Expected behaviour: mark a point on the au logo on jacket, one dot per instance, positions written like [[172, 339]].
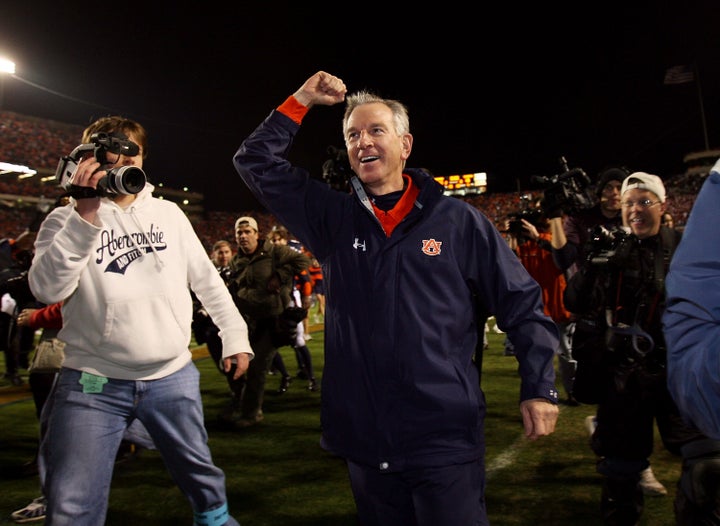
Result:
[[430, 247]]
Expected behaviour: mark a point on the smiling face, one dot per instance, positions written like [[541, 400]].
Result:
[[376, 151], [642, 211]]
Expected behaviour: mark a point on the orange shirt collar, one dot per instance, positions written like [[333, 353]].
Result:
[[391, 219]]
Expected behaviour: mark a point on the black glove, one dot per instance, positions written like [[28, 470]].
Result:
[[554, 212], [551, 209]]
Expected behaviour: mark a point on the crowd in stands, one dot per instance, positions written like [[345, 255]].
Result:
[[39, 143], [33, 141], [220, 224]]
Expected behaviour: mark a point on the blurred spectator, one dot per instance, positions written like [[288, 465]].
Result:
[[667, 220], [261, 287], [16, 342], [318, 287], [302, 292], [530, 238]]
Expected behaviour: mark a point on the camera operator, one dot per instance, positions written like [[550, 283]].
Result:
[[570, 231], [570, 235], [124, 265], [623, 283], [532, 244]]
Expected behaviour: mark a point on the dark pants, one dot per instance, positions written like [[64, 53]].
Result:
[[214, 344], [420, 497], [253, 393], [632, 400], [698, 499], [17, 343]]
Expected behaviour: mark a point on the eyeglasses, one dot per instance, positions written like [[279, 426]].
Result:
[[643, 203], [611, 188]]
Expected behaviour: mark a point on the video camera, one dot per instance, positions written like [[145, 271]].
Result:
[[126, 180], [568, 191], [336, 169], [607, 248], [532, 215]]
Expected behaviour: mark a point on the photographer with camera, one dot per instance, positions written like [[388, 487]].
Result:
[[124, 263], [570, 235], [571, 227], [572, 212], [622, 286], [530, 238]]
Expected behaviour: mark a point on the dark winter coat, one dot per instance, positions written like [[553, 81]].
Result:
[[400, 389]]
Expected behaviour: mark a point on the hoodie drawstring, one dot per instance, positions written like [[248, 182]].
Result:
[[159, 263]]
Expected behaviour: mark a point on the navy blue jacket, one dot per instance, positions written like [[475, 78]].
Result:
[[399, 388], [692, 316]]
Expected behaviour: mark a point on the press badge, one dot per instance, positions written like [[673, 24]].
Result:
[[92, 383]]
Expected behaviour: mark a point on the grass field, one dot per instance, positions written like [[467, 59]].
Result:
[[278, 475]]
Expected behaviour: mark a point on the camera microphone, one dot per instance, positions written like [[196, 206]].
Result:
[[540, 179]]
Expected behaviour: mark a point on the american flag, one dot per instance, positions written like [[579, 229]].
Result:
[[679, 75]]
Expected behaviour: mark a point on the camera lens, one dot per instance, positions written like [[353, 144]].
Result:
[[126, 180]]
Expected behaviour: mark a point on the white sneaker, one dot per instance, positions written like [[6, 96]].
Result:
[[33, 512], [650, 485], [590, 424]]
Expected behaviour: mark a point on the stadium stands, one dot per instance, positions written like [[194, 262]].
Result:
[[39, 143]]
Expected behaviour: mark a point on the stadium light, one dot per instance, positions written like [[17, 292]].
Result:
[[7, 168], [6, 67]]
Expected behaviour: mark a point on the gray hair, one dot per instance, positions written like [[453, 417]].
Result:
[[399, 110]]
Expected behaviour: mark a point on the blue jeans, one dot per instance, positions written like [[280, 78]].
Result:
[[84, 434]]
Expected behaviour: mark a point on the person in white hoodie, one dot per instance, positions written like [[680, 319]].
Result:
[[123, 262]]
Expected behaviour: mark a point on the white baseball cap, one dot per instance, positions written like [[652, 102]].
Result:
[[644, 181], [249, 220]]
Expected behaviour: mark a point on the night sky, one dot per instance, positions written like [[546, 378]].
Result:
[[506, 89]]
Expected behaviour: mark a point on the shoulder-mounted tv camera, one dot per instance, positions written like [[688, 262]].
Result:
[[609, 248], [568, 191], [126, 180]]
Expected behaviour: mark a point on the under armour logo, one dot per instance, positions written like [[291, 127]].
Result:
[[430, 247], [357, 244]]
